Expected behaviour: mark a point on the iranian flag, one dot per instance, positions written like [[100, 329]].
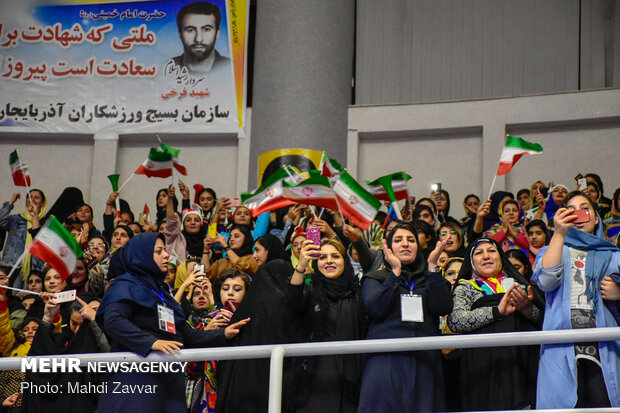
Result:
[[513, 150], [158, 164], [57, 247], [329, 167], [269, 195], [356, 203], [392, 187], [312, 191], [175, 154], [19, 171]]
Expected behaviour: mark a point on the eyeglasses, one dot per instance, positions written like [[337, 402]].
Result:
[[444, 233], [98, 244]]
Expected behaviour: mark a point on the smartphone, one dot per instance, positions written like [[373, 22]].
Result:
[[314, 235], [436, 187], [143, 218], [583, 184], [578, 177], [228, 305], [583, 215], [235, 202], [200, 268], [212, 232]]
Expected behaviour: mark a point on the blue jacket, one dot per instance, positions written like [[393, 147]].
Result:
[[557, 371], [16, 229]]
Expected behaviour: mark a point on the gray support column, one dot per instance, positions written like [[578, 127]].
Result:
[[303, 66], [105, 154]]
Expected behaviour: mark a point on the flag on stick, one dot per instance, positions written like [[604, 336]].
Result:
[[312, 191], [513, 150], [269, 195], [19, 171], [174, 152], [57, 247], [158, 164], [392, 187], [329, 167], [356, 203]]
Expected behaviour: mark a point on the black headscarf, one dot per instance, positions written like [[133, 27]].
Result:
[[410, 271], [66, 204], [194, 241], [493, 217], [248, 242], [273, 245]]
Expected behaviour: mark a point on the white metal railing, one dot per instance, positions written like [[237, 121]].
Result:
[[277, 352]]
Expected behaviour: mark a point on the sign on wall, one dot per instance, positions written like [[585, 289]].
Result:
[[120, 67]]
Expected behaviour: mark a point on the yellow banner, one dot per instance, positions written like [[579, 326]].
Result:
[[301, 159]]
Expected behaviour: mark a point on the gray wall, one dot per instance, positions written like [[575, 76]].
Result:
[[438, 50]]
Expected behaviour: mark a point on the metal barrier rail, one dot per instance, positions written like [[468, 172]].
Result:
[[277, 352]]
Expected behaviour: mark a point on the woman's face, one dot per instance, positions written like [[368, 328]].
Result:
[[486, 260], [581, 202], [331, 262], [171, 275], [592, 193], [232, 289], [297, 243], [236, 239], [119, 237], [200, 299], [35, 283], [517, 264], [536, 236], [53, 282], [78, 276], [97, 246], [83, 214], [443, 257], [162, 198], [558, 194], [427, 217], [37, 199], [441, 201], [206, 201], [29, 330], [452, 237], [192, 223], [27, 302], [452, 271], [472, 204], [260, 254], [511, 213], [242, 216], [75, 322], [160, 256], [524, 200], [404, 245]]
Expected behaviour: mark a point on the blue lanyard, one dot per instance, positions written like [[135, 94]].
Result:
[[160, 295], [410, 286]]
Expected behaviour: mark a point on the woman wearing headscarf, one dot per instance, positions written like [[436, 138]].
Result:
[[187, 236], [267, 248], [138, 315], [331, 309], [488, 214], [509, 231], [238, 252], [404, 299], [492, 297], [21, 229], [553, 202], [578, 273]]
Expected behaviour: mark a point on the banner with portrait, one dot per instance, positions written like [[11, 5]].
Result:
[[123, 67]]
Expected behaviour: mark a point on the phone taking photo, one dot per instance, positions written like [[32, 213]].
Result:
[[314, 235], [583, 215], [436, 187]]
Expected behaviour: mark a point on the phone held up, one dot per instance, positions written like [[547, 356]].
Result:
[[583, 215], [314, 235], [436, 187]]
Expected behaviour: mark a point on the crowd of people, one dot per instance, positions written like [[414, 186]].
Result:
[[203, 272]]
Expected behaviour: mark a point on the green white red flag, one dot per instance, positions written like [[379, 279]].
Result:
[[392, 187], [19, 171], [269, 195], [57, 247], [158, 164], [312, 191], [356, 203], [174, 152], [329, 167], [513, 150]]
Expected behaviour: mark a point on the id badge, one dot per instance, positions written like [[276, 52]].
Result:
[[165, 317], [411, 308]]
